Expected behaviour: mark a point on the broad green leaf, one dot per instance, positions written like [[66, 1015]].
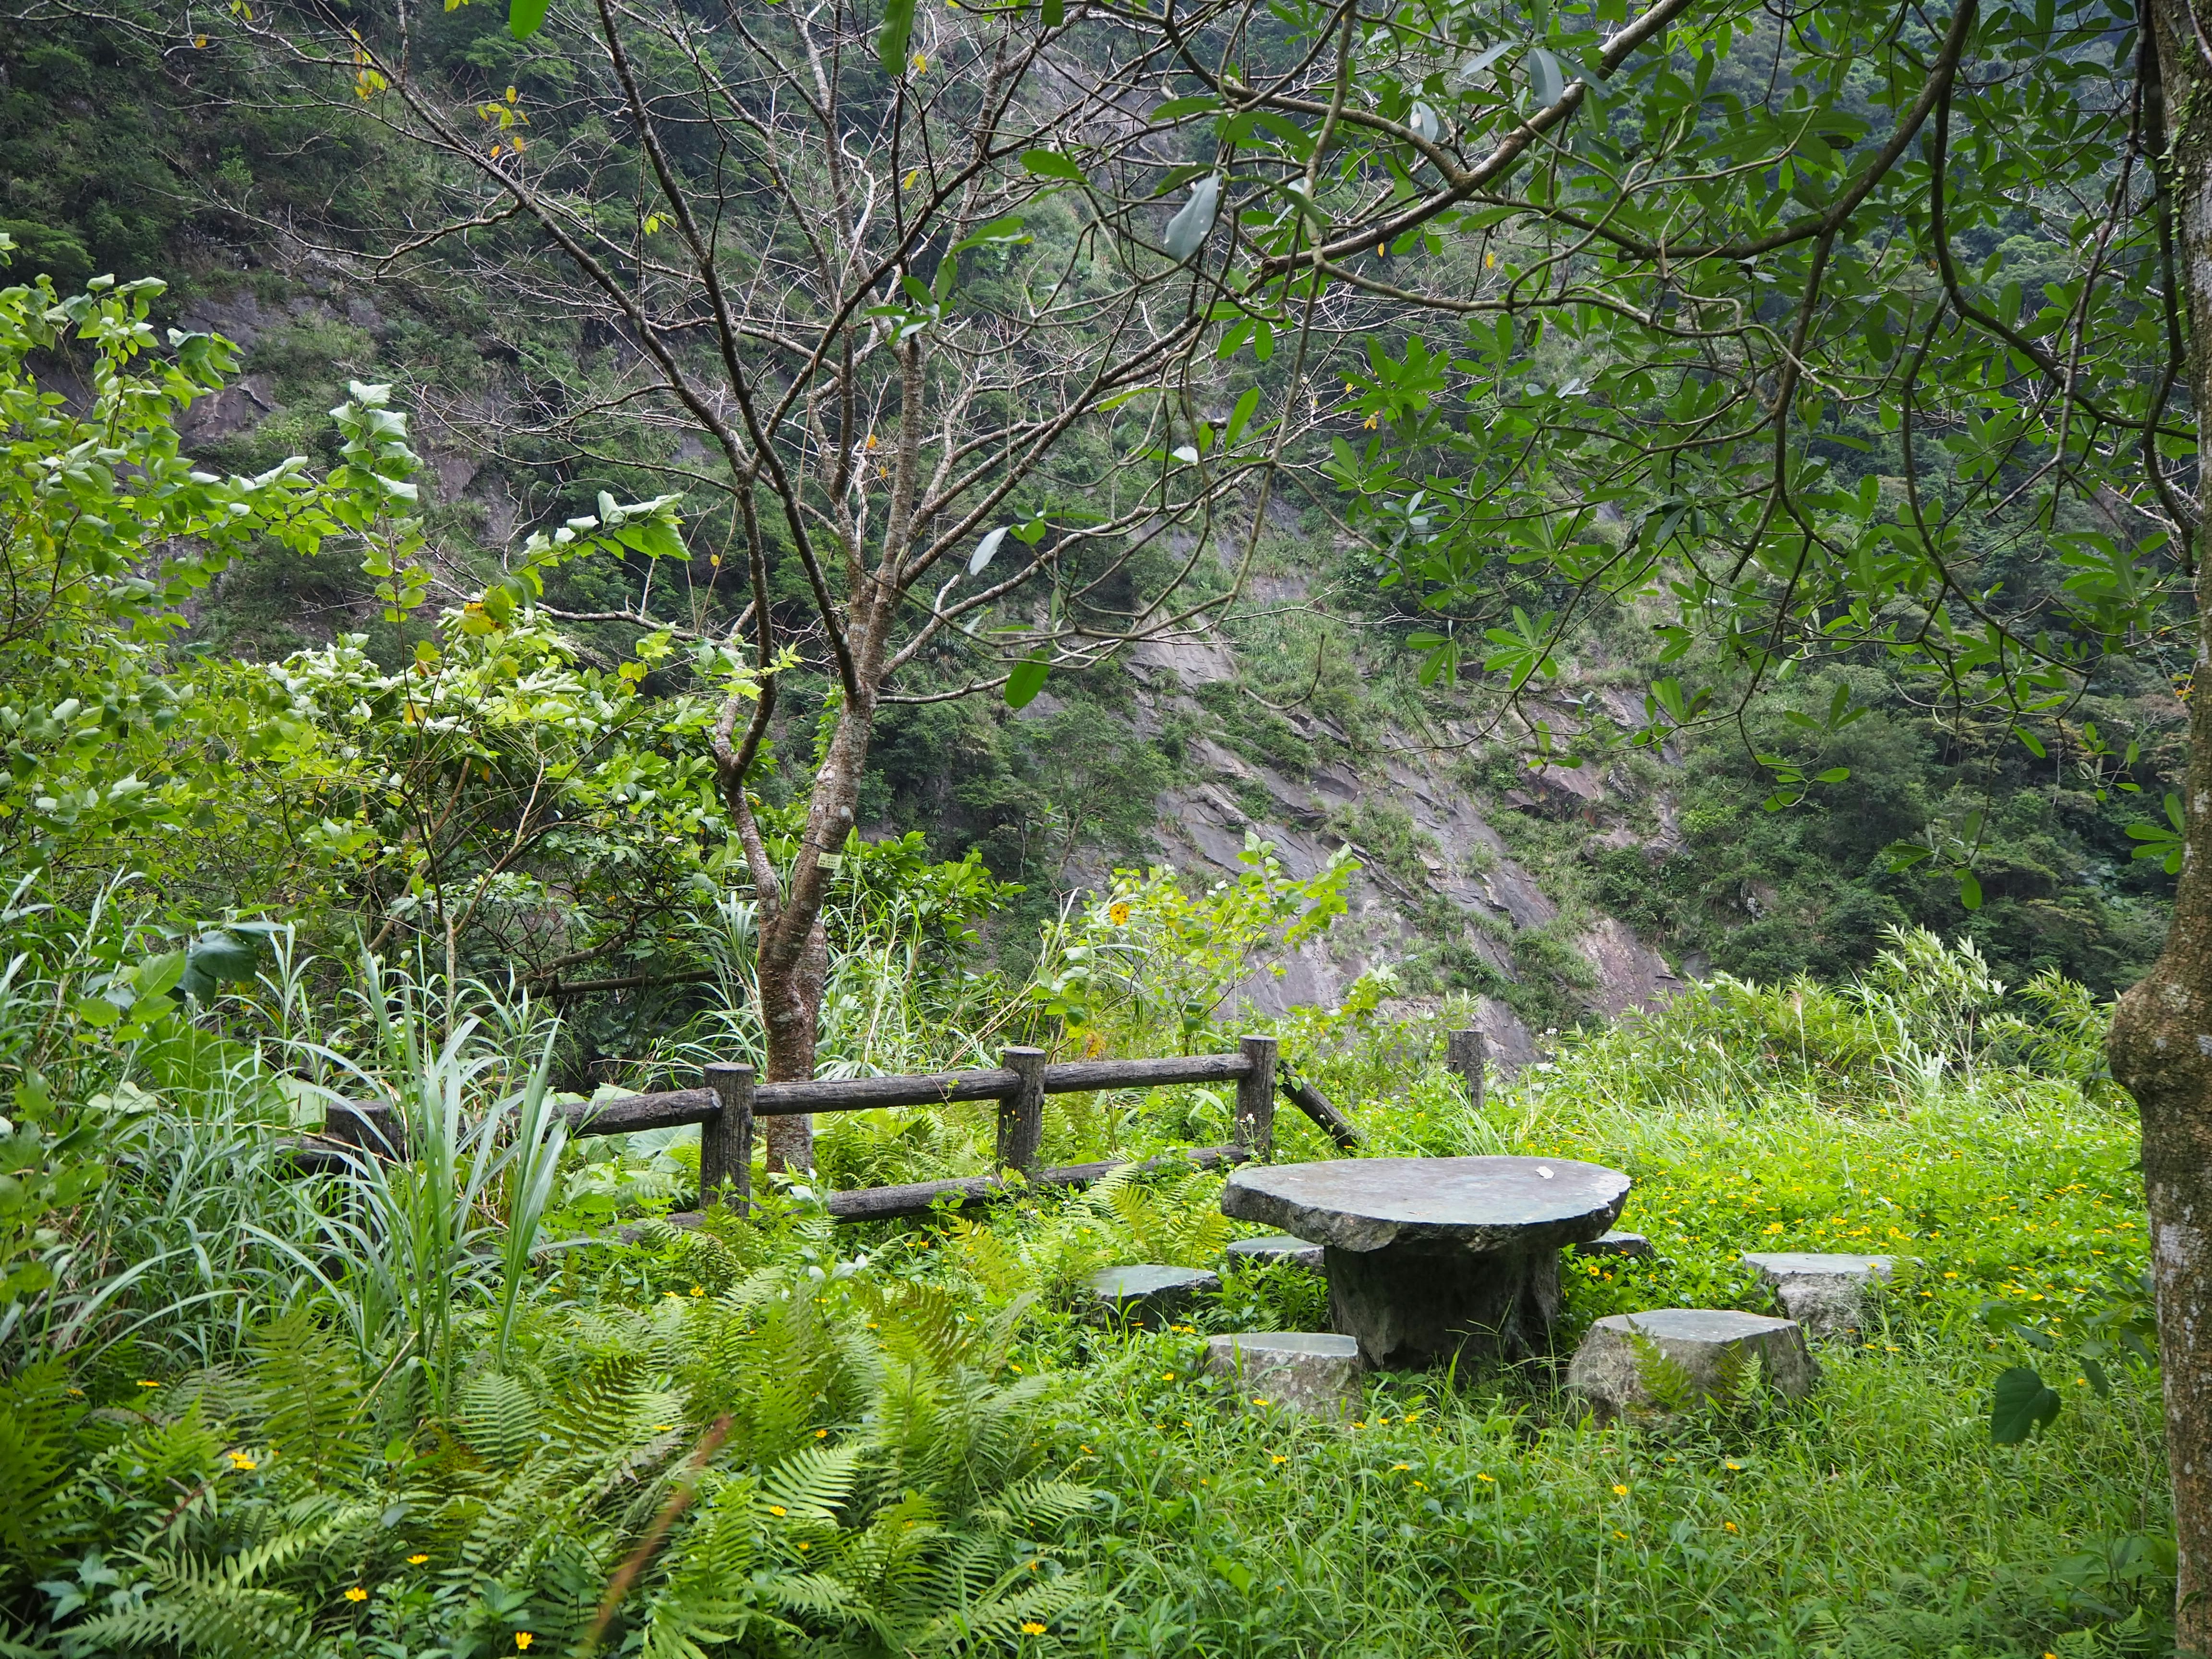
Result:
[[1051, 164], [1026, 681], [1544, 79], [524, 17], [1241, 417], [892, 35], [2019, 1403]]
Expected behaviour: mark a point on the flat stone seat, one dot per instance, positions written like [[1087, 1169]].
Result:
[[1620, 1368], [1825, 1294], [1316, 1373], [1428, 1258], [1149, 1294], [1275, 1246], [1615, 1242]]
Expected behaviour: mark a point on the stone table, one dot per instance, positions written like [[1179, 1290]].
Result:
[[1432, 1257]]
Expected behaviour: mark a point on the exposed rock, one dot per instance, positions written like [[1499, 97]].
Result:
[[1825, 1294], [1193, 658], [1640, 1363], [1271, 1247], [1293, 1370], [1148, 1294], [1630, 973], [237, 406]]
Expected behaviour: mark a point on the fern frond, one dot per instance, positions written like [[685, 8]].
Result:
[[812, 1483], [499, 1418]]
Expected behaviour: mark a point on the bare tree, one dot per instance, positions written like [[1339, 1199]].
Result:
[[921, 305]]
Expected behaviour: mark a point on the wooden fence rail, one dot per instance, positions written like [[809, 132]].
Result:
[[729, 1102]]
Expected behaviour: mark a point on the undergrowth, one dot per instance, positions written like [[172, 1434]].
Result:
[[232, 1424]]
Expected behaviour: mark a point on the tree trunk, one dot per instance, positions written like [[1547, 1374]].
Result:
[[2161, 1039], [791, 1016]]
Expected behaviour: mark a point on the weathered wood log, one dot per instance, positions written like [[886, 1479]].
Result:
[[631, 1113], [726, 1140], [1316, 1105], [1255, 1097], [860, 1094], [1465, 1053], [1074, 1076], [1021, 1113]]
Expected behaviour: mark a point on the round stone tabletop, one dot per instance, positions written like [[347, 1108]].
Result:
[[1476, 1203]]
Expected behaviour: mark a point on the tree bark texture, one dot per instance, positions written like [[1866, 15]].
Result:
[[2161, 1038]]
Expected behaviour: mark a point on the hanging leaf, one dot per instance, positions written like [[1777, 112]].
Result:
[[1424, 121], [2020, 1400], [1544, 79], [1026, 681], [984, 550], [1051, 164], [1187, 230], [1482, 60], [524, 17], [217, 959], [1055, 13], [891, 38]]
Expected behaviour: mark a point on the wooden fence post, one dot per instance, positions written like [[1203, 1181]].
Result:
[[1465, 1053], [1256, 1098], [1021, 1113], [726, 1140]]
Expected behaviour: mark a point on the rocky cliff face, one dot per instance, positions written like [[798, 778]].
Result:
[[1462, 884]]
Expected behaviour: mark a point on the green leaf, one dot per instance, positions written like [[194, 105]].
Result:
[[1051, 164], [1833, 775], [893, 34], [158, 975], [524, 17], [216, 959], [1055, 13], [1026, 681], [2019, 1402], [1544, 79], [1970, 890], [1241, 417]]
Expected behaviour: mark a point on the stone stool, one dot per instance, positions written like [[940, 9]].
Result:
[[1315, 1373], [1274, 1247], [1147, 1294], [1826, 1294], [1615, 1242], [1613, 1369]]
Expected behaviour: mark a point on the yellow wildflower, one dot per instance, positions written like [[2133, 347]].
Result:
[[356, 1594], [417, 1560], [1619, 1490], [1031, 1627]]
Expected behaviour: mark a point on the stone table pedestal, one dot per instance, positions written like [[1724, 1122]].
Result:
[[1432, 1258]]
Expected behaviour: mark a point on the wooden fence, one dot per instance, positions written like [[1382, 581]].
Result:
[[730, 1100]]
